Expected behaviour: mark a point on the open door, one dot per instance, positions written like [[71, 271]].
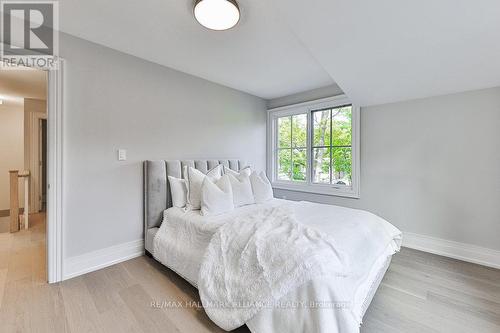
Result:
[[43, 165]]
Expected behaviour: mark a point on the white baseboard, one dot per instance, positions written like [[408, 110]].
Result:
[[95, 260], [462, 251]]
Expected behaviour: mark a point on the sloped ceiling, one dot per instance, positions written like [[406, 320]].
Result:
[[376, 51], [260, 55], [390, 50]]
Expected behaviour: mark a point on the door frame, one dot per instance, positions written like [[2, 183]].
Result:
[[55, 137]]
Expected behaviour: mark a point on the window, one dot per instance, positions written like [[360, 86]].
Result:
[[292, 148], [314, 147], [332, 146]]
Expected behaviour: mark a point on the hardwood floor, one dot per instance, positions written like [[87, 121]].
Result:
[[22, 277], [4, 224], [420, 293]]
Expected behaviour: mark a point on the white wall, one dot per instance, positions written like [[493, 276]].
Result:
[[11, 151], [113, 101], [432, 167]]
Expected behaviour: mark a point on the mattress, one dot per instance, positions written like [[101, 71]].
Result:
[[184, 236], [278, 320], [150, 235]]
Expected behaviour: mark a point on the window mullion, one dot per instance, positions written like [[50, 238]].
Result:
[[331, 149], [276, 138], [309, 154], [291, 148]]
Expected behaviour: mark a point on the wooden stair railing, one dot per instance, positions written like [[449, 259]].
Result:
[[14, 199]]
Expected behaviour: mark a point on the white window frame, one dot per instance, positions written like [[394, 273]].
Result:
[[308, 186]]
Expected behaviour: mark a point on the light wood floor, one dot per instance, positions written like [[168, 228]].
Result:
[[420, 293], [4, 224]]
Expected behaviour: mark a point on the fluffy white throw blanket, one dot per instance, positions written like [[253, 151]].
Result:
[[256, 259]]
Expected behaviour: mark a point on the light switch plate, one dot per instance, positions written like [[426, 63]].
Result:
[[122, 155]]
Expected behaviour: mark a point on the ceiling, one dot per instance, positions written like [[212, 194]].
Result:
[[391, 50], [15, 85], [376, 51], [260, 55]]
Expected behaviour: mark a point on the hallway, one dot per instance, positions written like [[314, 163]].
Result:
[[22, 264]]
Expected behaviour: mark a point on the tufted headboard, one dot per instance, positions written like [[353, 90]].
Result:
[[157, 196]]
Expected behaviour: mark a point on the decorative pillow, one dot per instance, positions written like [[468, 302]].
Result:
[[194, 179], [246, 170], [242, 190], [178, 188], [261, 187], [216, 198]]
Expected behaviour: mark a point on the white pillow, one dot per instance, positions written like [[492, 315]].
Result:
[[242, 190], [216, 198], [246, 171], [194, 179], [178, 189], [261, 187]]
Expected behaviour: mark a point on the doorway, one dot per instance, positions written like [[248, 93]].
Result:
[[23, 175], [54, 171], [43, 165]]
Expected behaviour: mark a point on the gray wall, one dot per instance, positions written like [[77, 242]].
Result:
[[432, 167], [113, 101]]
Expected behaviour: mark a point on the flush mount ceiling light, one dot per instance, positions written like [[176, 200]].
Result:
[[217, 14]]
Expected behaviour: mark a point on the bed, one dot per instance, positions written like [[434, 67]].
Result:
[[179, 239]]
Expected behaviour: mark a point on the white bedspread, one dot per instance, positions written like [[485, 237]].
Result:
[[321, 305], [258, 258]]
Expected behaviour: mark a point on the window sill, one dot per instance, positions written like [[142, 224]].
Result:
[[318, 189]]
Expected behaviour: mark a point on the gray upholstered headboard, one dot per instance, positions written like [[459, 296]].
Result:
[[157, 195]]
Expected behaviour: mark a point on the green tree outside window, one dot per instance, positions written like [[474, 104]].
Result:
[[331, 148]]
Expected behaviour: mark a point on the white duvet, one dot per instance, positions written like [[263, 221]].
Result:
[[321, 305], [259, 258]]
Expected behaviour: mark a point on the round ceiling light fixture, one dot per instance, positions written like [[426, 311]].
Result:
[[217, 14]]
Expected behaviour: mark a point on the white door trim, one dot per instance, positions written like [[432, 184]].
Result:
[[55, 174]]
